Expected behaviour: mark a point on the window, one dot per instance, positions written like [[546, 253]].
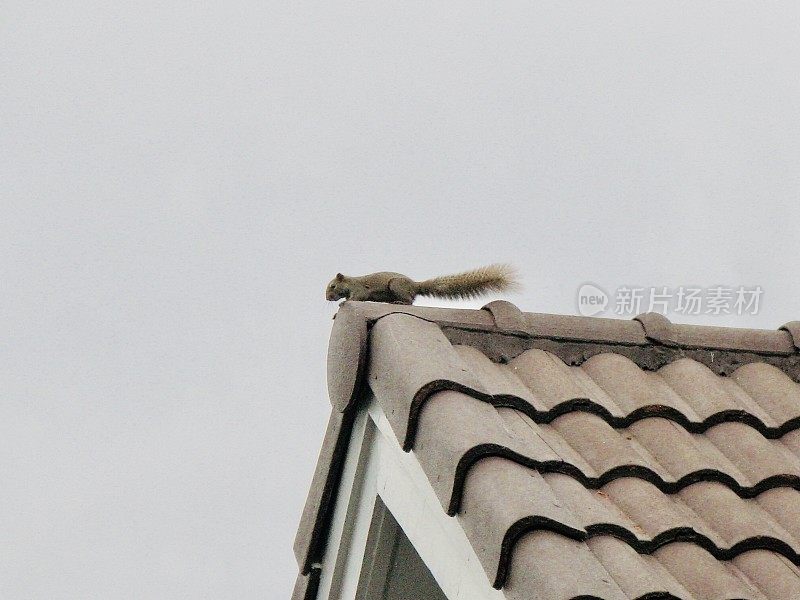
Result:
[[392, 569]]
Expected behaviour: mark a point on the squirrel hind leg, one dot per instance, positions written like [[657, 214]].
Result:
[[402, 291]]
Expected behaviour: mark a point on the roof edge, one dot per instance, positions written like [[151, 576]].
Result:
[[348, 347]]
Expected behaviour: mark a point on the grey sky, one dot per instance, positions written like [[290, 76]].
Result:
[[180, 180]]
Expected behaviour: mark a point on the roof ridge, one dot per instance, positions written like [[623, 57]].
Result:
[[646, 328], [650, 340]]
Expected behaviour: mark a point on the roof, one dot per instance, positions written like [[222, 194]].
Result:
[[583, 457]]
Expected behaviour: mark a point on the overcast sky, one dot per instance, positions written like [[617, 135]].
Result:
[[180, 180]]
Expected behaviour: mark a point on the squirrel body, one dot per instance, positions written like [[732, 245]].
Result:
[[401, 289]]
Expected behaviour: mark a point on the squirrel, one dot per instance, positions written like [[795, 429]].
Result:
[[400, 289]]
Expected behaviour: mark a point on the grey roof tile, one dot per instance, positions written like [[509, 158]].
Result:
[[411, 359], [449, 442], [771, 574], [555, 383], [550, 566], [496, 508], [755, 456], [632, 388], [703, 576], [782, 506], [537, 453], [602, 458], [770, 388], [497, 382], [677, 451], [636, 574], [708, 394]]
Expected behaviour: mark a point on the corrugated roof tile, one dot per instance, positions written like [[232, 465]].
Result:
[[497, 381], [638, 575], [557, 384], [703, 576], [619, 476], [783, 505], [549, 566], [632, 388], [773, 391], [496, 507], [649, 470], [449, 442], [758, 458], [771, 574]]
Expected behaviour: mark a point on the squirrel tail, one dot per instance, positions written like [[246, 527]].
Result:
[[471, 284]]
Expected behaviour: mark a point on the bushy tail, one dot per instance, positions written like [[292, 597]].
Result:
[[471, 284]]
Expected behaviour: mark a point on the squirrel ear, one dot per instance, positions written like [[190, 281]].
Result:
[[339, 277]]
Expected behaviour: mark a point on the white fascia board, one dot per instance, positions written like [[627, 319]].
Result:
[[376, 467]]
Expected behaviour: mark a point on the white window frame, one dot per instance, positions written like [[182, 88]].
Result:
[[355, 563]]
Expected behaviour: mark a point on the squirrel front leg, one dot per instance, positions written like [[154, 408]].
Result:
[[360, 294]]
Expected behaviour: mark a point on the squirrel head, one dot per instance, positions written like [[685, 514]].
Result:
[[337, 288]]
